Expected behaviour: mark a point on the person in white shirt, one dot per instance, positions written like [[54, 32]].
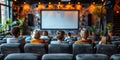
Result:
[[15, 31], [68, 38], [60, 38], [45, 35]]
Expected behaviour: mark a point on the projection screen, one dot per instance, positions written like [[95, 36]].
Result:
[[59, 19]]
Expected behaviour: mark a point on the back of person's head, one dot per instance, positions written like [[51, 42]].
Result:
[[84, 33], [15, 31], [45, 33], [60, 35], [36, 34], [110, 33], [68, 34], [103, 40]]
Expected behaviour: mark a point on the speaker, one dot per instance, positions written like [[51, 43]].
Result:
[[110, 4], [89, 16], [30, 20]]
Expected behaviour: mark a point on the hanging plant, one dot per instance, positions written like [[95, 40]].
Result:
[[99, 12]]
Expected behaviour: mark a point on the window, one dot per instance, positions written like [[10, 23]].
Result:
[[5, 10]]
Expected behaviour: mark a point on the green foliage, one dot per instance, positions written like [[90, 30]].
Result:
[[102, 32], [109, 26], [99, 12], [1, 27], [92, 29], [21, 22], [8, 21], [6, 25]]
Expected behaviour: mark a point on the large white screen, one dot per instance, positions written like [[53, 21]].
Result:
[[59, 19]]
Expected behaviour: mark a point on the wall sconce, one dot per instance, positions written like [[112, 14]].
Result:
[[69, 6], [93, 3], [50, 6], [78, 6], [40, 6], [91, 8], [39, 2], [24, 2], [59, 5]]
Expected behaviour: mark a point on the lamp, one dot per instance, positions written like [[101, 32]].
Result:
[[69, 6], [59, 5], [50, 6], [78, 6], [40, 6]]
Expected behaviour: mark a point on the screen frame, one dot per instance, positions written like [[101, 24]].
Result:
[[57, 28]]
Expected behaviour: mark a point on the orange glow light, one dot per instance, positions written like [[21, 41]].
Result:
[[69, 2], [15, 0], [26, 7], [39, 2], [40, 6], [24, 2], [102, 0], [50, 6], [69, 6], [59, 5], [49, 3], [94, 3], [117, 12], [78, 6]]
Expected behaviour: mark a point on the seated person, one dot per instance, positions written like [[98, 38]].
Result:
[[111, 37], [27, 39], [104, 40], [84, 35], [60, 37], [15, 31], [45, 35], [68, 37], [36, 38]]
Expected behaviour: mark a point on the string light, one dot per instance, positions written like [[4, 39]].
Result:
[[39, 2], [69, 2], [78, 6], [49, 3], [117, 12], [94, 3], [78, 2], [102, 0], [50, 6], [15, 0], [24, 2], [59, 5]]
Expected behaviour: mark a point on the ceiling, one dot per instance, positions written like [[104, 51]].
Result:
[[56, 1]]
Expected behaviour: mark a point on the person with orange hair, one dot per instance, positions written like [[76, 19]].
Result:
[[36, 38]]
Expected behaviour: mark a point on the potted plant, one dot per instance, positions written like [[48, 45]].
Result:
[[19, 22], [92, 29], [109, 27]]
